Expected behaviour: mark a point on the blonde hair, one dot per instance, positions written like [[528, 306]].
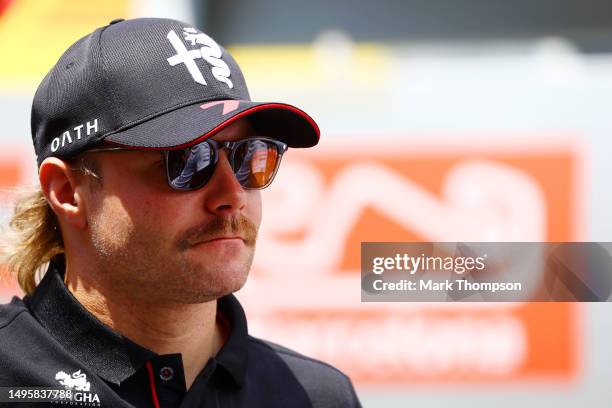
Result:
[[34, 240], [35, 237]]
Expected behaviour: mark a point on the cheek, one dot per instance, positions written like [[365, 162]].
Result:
[[142, 199], [253, 211], [110, 225], [156, 214], [126, 208]]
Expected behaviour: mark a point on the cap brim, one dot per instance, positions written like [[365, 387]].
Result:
[[194, 123]]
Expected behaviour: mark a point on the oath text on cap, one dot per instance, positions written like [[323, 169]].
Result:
[[66, 138]]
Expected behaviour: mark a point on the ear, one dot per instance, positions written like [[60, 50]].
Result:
[[59, 185]]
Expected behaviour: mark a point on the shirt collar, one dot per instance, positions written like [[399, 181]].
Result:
[[111, 355]]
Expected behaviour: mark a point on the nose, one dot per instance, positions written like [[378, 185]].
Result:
[[224, 194]]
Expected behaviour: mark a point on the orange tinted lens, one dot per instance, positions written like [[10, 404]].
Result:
[[256, 162]]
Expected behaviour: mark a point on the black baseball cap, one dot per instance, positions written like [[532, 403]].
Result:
[[151, 83]]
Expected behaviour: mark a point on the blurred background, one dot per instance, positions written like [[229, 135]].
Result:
[[441, 121]]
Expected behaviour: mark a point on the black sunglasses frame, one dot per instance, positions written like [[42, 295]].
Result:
[[230, 146]]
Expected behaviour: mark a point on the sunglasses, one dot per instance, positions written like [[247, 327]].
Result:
[[254, 160]]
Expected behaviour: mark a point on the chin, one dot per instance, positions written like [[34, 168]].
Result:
[[219, 284], [205, 276], [205, 293]]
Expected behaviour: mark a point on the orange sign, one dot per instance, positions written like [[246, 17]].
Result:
[[304, 291]]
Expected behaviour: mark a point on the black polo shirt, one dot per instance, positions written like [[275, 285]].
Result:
[[50, 340]]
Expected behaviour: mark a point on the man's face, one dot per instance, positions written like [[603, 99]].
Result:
[[161, 244]]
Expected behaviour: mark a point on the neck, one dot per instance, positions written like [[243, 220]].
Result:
[[164, 328]]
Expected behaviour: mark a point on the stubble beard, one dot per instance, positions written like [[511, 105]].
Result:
[[139, 264]]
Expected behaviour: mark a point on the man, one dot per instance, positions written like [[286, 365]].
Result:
[[151, 157]]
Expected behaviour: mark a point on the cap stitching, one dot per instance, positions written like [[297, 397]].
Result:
[[102, 72]]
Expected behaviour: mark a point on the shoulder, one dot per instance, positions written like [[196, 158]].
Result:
[[10, 311], [326, 385]]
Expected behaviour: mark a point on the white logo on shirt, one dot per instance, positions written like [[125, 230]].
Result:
[[77, 381], [209, 52], [77, 390]]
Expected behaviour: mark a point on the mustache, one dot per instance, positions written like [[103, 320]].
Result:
[[239, 226]]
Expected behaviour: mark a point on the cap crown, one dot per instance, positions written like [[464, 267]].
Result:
[[124, 74]]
